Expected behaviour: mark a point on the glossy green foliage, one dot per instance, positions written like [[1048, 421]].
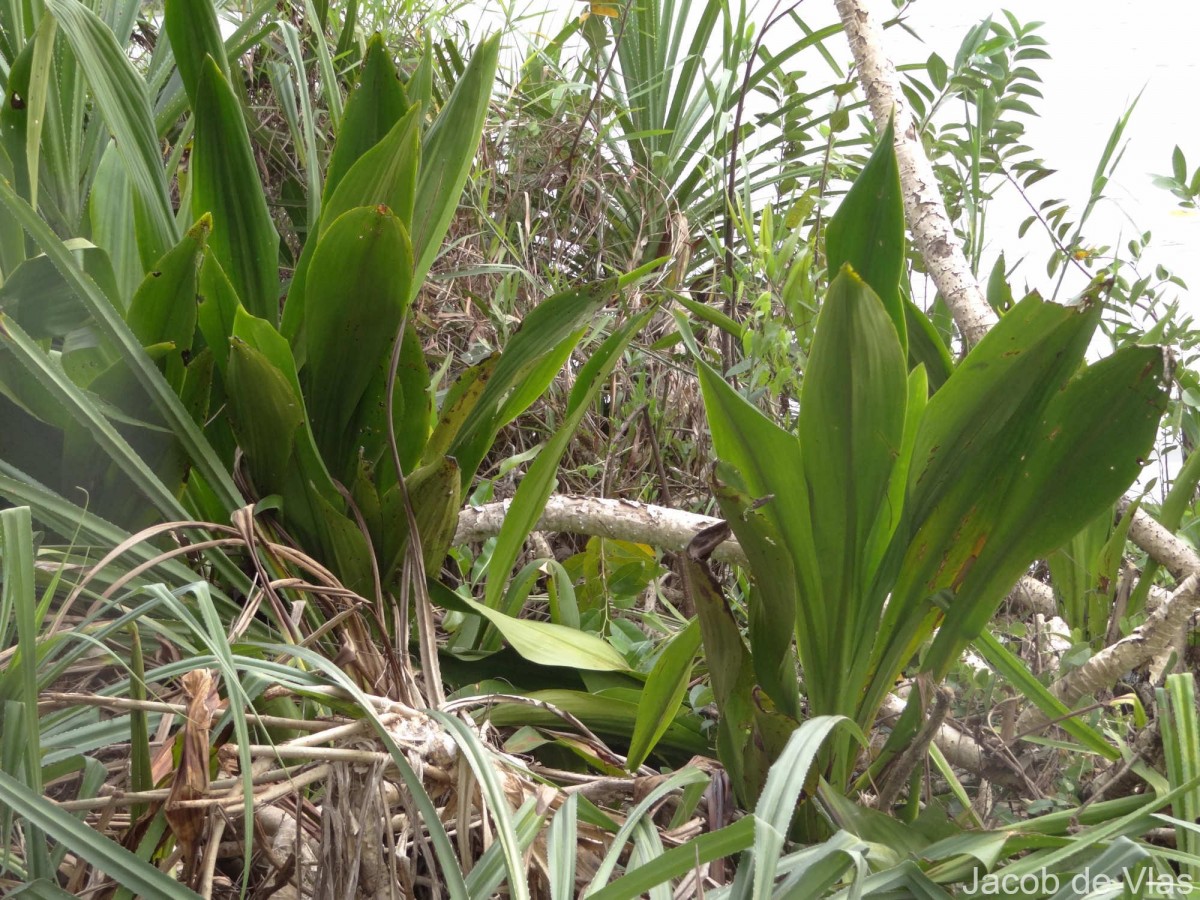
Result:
[[862, 232], [195, 36], [357, 297], [225, 185], [934, 507], [187, 365]]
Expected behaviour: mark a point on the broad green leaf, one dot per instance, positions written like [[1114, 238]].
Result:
[[1075, 573], [225, 184], [345, 546], [164, 308], [664, 692], [448, 149], [768, 462], [776, 594], [553, 645], [999, 294], [266, 412], [1090, 444], [459, 401], [86, 412], [217, 308], [412, 409], [45, 304], [1011, 373], [550, 330], [358, 290], [120, 95], [373, 108], [867, 231], [111, 494], [852, 415], [972, 443], [192, 27], [14, 118], [607, 712], [436, 495], [384, 176], [729, 664]]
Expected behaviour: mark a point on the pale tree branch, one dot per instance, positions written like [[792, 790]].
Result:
[[659, 526], [1142, 645], [924, 209]]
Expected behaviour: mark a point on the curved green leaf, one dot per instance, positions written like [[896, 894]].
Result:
[[540, 347], [664, 692], [1090, 444], [448, 149], [163, 309], [192, 27], [553, 645], [225, 184], [358, 290], [852, 416], [535, 488], [867, 231], [385, 175]]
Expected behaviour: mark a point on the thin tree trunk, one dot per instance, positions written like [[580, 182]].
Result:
[[924, 209]]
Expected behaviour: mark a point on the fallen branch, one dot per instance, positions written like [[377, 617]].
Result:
[[1146, 642], [659, 526], [1173, 553], [620, 520]]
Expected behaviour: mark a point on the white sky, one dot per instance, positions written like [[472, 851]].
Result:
[[1103, 53]]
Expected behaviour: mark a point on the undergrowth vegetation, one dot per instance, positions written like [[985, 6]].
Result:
[[443, 464]]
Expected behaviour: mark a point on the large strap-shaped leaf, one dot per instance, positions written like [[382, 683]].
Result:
[[1090, 444], [867, 231], [968, 452], [776, 599], [163, 309], [537, 485], [385, 175], [852, 414], [529, 362], [448, 149], [769, 463], [374, 107], [1004, 380], [225, 183], [192, 27], [358, 290]]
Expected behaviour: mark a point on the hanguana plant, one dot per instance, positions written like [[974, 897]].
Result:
[[146, 395], [891, 522], [156, 376]]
